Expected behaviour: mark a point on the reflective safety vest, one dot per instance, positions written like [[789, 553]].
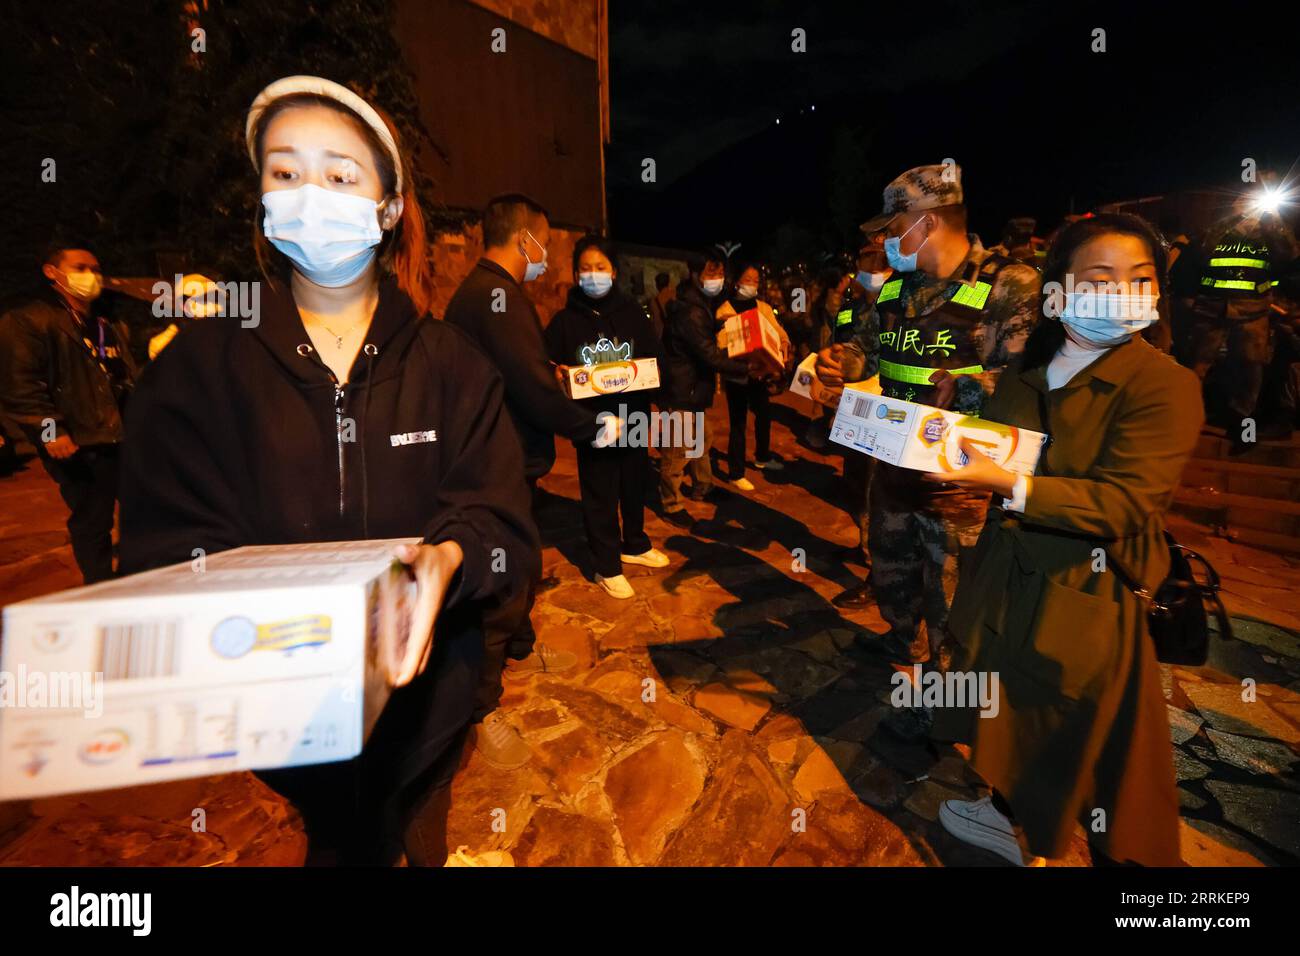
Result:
[[912, 349], [1237, 266]]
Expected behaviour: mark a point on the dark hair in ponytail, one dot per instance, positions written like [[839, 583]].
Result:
[[1049, 334]]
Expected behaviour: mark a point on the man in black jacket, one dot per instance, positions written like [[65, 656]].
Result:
[[65, 373], [692, 362], [492, 307]]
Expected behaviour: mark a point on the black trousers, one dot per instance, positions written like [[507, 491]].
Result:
[[507, 633], [88, 483], [741, 398], [613, 482], [363, 811]]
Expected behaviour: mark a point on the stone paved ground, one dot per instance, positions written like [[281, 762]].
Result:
[[722, 707]]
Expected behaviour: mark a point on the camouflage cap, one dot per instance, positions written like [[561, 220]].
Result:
[[925, 187]]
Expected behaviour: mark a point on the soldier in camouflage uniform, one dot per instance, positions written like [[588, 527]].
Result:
[[943, 327], [1224, 288]]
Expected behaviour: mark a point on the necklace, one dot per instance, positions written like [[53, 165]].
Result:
[[338, 338], [371, 304]]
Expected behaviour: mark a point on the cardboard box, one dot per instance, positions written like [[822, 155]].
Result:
[[255, 658], [927, 438], [753, 334], [806, 383], [610, 378]]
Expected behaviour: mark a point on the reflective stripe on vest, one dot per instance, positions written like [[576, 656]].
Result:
[[1244, 263], [889, 291], [974, 296], [1238, 284], [920, 374], [844, 317]]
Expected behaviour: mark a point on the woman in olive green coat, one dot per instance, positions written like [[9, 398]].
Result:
[[1081, 732]]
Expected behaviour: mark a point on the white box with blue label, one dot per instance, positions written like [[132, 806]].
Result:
[[926, 438], [250, 659]]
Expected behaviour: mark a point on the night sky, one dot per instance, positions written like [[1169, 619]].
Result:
[[1010, 90]]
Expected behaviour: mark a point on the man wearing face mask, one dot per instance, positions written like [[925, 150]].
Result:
[[65, 374], [493, 308], [873, 272], [873, 266], [942, 328]]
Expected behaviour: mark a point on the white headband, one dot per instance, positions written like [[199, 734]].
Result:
[[320, 86]]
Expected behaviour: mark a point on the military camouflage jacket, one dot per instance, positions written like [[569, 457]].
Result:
[[1014, 305]]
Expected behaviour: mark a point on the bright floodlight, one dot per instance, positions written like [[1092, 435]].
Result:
[[1270, 201]]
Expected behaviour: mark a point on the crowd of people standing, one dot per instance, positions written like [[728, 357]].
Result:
[[233, 436]]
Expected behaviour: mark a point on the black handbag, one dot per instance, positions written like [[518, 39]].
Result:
[[1178, 612]]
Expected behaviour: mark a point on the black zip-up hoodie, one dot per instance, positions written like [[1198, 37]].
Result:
[[238, 436]]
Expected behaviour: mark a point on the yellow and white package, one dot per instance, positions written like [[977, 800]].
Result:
[[610, 378], [925, 438], [250, 659]]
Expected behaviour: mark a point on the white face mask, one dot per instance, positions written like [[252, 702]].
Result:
[[596, 284], [329, 236], [872, 281], [84, 285], [711, 287], [1109, 318], [534, 270], [747, 291]]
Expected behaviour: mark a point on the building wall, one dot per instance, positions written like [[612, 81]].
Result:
[[530, 120], [526, 118], [572, 23]]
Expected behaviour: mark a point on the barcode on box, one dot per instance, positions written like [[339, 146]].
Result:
[[138, 650], [862, 405]]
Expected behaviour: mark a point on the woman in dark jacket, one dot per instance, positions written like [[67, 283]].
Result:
[[342, 411], [1079, 733], [601, 323], [746, 394]]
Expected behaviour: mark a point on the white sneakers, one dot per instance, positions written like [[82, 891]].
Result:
[[742, 484], [616, 586], [769, 464], [653, 558], [462, 857], [981, 824]]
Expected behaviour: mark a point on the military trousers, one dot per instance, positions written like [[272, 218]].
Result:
[[916, 537]]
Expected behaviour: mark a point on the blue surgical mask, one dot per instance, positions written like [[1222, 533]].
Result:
[[871, 281], [1108, 318], [329, 236], [596, 284], [534, 270], [894, 252], [711, 287]]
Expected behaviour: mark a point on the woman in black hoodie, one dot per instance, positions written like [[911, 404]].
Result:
[[341, 410], [602, 323]]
